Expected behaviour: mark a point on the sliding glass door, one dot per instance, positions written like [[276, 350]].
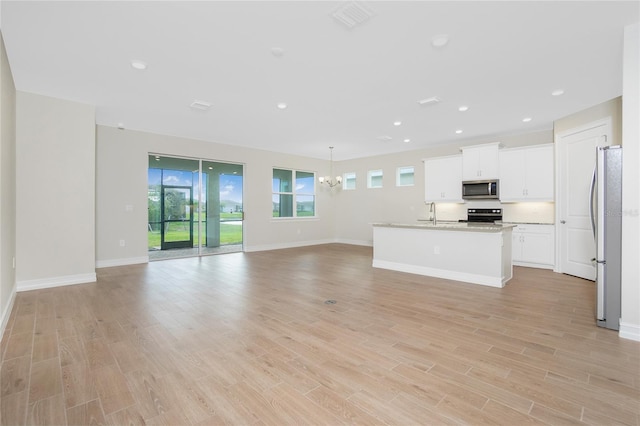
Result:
[[195, 207]]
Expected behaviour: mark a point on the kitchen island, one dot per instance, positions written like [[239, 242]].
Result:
[[470, 252]]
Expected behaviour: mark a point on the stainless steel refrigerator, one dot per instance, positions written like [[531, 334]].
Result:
[[606, 221]]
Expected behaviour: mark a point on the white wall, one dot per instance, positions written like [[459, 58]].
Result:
[[611, 108], [122, 163], [55, 197], [630, 317], [7, 188], [357, 209]]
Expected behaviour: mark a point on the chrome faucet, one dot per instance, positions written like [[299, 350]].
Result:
[[432, 209]]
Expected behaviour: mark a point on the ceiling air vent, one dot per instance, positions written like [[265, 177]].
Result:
[[352, 14], [384, 138], [200, 105]]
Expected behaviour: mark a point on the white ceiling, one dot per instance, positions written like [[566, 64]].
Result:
[[343, 87]]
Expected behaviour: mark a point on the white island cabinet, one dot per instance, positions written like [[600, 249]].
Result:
[[473, 253]]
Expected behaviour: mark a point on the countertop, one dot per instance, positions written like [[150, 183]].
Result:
[[450, 226], [529, 223]]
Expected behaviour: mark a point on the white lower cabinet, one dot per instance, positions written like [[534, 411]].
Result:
[[534, 246]]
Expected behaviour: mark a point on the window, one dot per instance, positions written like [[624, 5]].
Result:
[[404, 176], [349, 180], [294, 193], [374, 179]]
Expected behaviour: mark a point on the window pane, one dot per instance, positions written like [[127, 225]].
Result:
[[405, 176], [305, 205], [154, 193], [282, 205], [282, 180], [375, 179], [177, 177], [349, 181], [305, 182], [155, 176]]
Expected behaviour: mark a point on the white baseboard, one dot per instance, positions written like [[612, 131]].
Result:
[[354, 242], [533, 265], [286, 245], [629, 331], [56, 281], [440, 273], [4, 317], [121, 262]]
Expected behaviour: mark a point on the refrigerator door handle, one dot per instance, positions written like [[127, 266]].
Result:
[[592, 193]]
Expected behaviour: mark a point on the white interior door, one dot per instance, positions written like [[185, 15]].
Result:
[[576, 163]]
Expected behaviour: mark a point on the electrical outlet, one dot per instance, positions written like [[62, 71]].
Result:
[[128, 208], [436, 249], [122, 243]]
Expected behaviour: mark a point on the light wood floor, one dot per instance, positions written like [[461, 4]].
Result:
[[248, 339]]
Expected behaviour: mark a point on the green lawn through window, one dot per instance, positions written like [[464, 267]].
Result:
[[229, 234]]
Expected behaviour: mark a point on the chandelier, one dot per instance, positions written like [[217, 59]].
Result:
[[329, 180]]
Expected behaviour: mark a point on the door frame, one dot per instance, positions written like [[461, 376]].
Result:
[[607, 122]]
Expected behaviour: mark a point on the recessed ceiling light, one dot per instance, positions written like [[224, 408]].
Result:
[[557, 92], [526, 119], [282, 105], [458, 131], [463, 108], [429, 101], [439, 40], [121, 126], [210, 168], [200, 105], [397, 123], [139, 65], [407, 140]]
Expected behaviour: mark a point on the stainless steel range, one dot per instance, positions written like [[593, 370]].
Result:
[[484, 215]]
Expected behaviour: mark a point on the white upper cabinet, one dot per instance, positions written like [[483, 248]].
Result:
[[443, 179], [526, 174], [480, 162]]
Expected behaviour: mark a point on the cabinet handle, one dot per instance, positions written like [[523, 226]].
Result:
[[563, 221]]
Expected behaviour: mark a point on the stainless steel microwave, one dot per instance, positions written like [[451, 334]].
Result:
[[481, 189]]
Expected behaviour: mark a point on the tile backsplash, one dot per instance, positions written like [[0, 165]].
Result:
[[528, 212]]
